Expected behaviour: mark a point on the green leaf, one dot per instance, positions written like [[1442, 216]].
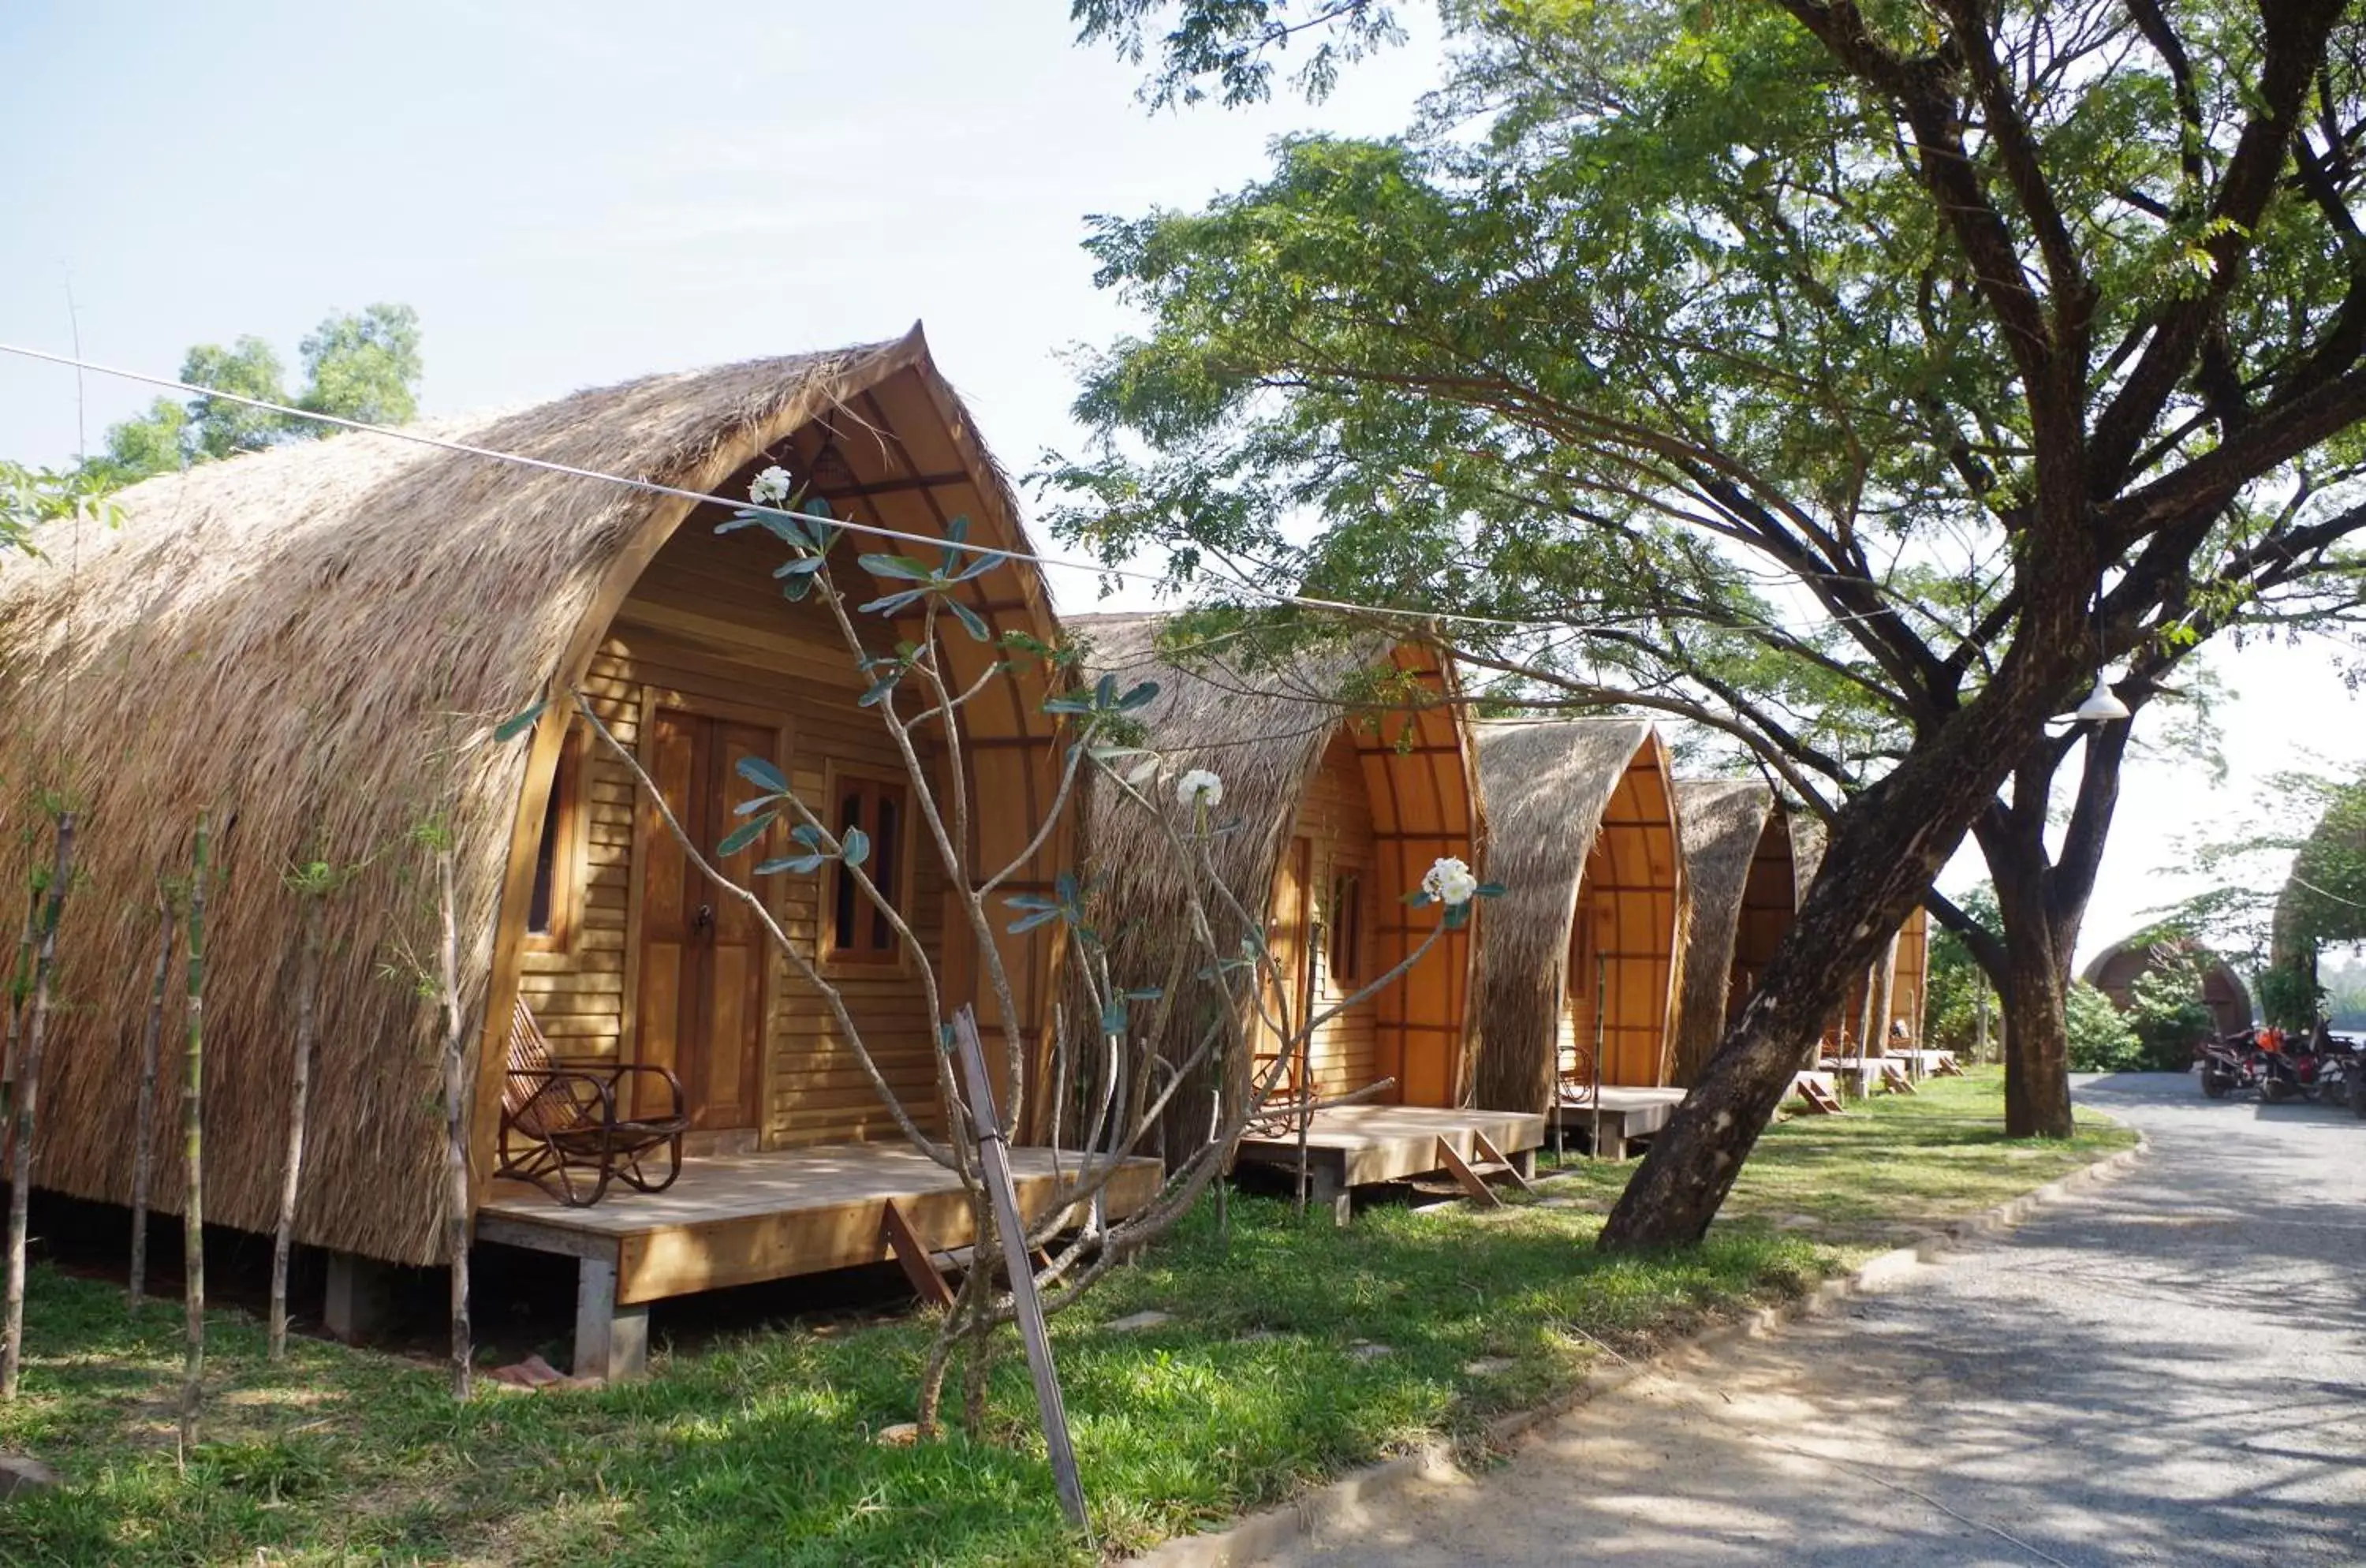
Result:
[[517, 723], [742, 836], [970, 619], [855, 847], [902, 567], [763, 775], [1138, 697], [800, 864], [1114, 1016], [1029, 922], [1491, 890]]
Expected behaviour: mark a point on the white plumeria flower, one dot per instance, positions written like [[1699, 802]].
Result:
[[772, 487], [1199, 787], [1450, 882]]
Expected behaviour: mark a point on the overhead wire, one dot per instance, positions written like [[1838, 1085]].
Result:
[[419, 437]]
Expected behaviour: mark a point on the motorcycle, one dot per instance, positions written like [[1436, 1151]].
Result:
[[2231, 1063]]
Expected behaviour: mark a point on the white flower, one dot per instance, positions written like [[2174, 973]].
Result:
[[1450, 882], [772, 487], [1200, 788]]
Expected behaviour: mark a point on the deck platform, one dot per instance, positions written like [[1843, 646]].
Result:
[[1629, 1114], [739, 1218], [1349, 1146]]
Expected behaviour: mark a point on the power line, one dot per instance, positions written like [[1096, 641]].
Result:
[[651, 487], [421, 438]]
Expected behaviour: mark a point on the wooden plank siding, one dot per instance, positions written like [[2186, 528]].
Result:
[[706, 631]]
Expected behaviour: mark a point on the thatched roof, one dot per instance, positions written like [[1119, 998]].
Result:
[[1263, 727], [2115, 972], [313, 642], [1720, 821], [1547, 783]]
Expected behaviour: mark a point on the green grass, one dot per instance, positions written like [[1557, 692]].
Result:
[[759, 1449]]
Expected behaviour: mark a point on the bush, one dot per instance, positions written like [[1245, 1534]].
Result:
[[2101, 1040], [2167, 1014]]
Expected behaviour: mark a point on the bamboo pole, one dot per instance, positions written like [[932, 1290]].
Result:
[[143, 1149], [299, 1090], [192, 1205], [456, 1125], [20, 989], [26, 1106]]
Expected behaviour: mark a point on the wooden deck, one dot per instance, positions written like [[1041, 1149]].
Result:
[[739, 1218], [1628, 1114], [1357, 1146]]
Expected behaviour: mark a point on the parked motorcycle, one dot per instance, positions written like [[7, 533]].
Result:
[[2229, 1064]]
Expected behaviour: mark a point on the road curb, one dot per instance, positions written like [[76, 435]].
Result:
[[1259, 1535]]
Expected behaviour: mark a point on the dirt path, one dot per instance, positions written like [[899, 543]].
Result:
[[2170, 1370]]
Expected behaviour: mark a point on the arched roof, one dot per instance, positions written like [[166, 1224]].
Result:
[[1563, 794], [314, 643], [1727, 827]]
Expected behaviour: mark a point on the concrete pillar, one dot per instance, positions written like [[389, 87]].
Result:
[[612, 1343], [1325, 1186], [359, 1300]]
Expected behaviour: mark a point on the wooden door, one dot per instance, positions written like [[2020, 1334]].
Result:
[[700, 1002]]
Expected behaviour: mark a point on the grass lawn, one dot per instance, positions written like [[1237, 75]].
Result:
[[1294, 1354]]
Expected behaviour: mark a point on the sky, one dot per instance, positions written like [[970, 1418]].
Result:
[[571, 194]]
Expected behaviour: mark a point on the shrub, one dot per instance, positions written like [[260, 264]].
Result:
[[2101, 1040], [2165, 1011]]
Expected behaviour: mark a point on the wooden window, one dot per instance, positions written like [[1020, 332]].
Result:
[[1346, 959], [860, 930], [551, 912]]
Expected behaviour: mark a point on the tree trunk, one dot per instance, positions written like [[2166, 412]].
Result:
[[1884, 987], [299, 1090], [455, 1127], [193, 1203], [143, 1149], [1887, 845], [2036, 973], [26, 1106]]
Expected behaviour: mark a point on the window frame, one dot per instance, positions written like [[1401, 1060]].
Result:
[[1344, 937], [564, 823], [872, 786]]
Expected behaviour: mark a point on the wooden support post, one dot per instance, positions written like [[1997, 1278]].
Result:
[[1488, 1151], [1470, 1180], [913, 1258], [1324, 1185], [612, 1343], [993, 1158], [358, 1302]]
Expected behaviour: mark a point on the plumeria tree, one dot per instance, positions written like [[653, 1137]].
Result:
[[1111, 1084]]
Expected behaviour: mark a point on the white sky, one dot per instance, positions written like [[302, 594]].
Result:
[[572, 194]]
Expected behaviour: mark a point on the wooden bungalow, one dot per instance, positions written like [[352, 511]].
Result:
[[2116, 970], [1342, 805], [316, 642], [1580, 960], [1743, 889]]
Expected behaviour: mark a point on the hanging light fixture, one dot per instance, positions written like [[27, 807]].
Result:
[[2100, 706]]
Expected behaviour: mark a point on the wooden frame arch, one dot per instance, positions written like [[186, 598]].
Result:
[[1623, 926]]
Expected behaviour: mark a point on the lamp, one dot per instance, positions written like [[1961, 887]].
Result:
[[2100, 706]]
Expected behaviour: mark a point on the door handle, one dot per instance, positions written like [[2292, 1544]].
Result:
[[704, 920]]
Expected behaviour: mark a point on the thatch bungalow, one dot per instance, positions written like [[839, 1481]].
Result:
[[1342, 804], [1744, 887], [1579, 962], [316, 642], [2116, 970]]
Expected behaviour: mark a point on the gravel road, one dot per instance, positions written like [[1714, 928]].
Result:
[[2170, 1369]]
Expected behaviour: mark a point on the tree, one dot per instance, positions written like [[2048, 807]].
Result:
[[1959, 996], [1728, 359], [362, 366]]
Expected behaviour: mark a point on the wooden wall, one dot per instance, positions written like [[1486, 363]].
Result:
[[1335, 822], [1623, 939], [707, 630]]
